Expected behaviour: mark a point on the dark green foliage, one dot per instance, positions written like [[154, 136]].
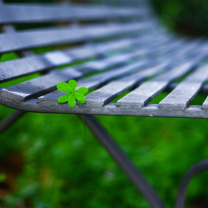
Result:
[[188, 17]]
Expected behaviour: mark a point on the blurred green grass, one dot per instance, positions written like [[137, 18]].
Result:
[[65, 168]]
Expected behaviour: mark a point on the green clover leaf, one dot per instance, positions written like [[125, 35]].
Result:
[[64, 87], [72, 95], [72, 101], [82, 90], [64, 98], [72, 84], [80, 97]]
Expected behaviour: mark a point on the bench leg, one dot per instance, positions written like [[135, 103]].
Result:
[[195, 169], [123, 162], [8, 121]]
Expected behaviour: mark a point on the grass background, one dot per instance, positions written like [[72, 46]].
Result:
[[50, 162]]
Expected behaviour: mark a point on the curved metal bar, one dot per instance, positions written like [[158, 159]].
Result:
[[123, 161], [11, 119], [195, 169]]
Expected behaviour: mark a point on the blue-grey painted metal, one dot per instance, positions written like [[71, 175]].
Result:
[[11, 119]]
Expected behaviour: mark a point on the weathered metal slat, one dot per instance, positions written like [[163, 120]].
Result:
[[144, 41], [37, 63], [92, 50], [36, 86], [95, 81], [185, 48], [20, 13], [148, 90], [31, 64], [34, 63], [54, 36], [184, 93], [48, 60], [100, 49], [112, 90], [99, 65], [99, 31], [90, 13], [35, 83]]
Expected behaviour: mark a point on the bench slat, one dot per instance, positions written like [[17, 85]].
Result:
[[20, 67], [48, 60], [16, 13], [112, 90], [184, 93], [36, 38], [24, 66], [35, 86], [150, 89], [41, 84], [96, 80], [91, 50], [99, 65], [112, 61]]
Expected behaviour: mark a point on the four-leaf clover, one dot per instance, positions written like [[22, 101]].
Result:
[[72, 95]]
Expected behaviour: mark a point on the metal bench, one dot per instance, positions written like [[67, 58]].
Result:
[[127, 44]]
